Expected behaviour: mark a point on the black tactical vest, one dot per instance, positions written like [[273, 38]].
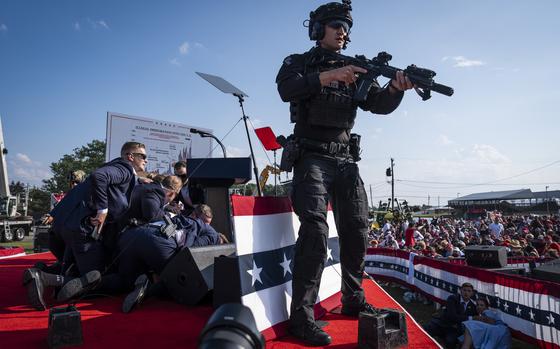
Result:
[[333, 106]]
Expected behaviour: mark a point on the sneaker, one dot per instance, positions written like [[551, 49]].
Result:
[[355, 311], [135, 297], [78, 286], [311, 334], [35, 289]]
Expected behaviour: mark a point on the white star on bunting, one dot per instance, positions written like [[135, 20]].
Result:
[[255, 274], [329, 254], [531, 315], [550, 319], [286, 265], [518, 310]]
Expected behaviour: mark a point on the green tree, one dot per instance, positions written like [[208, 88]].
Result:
[[16, 187], [39, 202], [86, 158]]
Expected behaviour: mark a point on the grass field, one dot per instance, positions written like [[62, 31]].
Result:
[[26, 243]]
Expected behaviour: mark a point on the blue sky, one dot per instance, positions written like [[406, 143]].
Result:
[[64, 64]]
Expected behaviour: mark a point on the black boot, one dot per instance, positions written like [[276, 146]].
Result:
[[135, 297], [355, 311], [311, 334], [35, 288], [37, 281], [78, 286]]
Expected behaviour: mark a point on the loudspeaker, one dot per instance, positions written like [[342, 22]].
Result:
[[190, 274], [41, 238], [549, 271], [510, 270], [227, 281], [486, 256]]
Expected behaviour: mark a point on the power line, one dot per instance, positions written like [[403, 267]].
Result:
[[466, 185]]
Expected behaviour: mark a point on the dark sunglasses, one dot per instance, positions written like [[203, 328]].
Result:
[[339, 24], [140, 155]]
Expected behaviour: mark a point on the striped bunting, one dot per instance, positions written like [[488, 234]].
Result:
[[522, 307], [265, 235]]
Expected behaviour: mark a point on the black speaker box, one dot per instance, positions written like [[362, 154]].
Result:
[[483, 256], [190, 274], [549, 271], [41, 238], [227, 281]]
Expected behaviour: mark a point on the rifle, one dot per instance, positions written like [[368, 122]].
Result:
[[422, 78]]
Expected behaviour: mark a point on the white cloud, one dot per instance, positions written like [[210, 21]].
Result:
[[103, 24], [235, 152], [175, 61], [488, 154], [463, 62], [198, 45], [444, 140], [77, 26], [22, 168], [98, 24], [3, 28], [23, 158], [184, 48]]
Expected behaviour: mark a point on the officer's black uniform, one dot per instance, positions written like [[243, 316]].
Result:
[[326, 172]]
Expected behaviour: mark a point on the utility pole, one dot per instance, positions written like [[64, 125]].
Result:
[[371, 196], [546, 198], [392, 186], [428, 200], [438, 201]]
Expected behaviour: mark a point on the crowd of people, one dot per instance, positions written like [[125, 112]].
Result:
[[116, 229], [466, 319], [522, 235]]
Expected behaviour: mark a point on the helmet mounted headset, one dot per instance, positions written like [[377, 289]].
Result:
[[333, 14]]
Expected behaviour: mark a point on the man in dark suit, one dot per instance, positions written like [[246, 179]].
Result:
[[459, 308], [91, 207], [149, 200], [146, 206]]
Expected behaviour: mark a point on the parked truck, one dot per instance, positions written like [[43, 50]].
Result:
[[14, 221]]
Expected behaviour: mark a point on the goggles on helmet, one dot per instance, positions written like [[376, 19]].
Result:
[[337, 23]]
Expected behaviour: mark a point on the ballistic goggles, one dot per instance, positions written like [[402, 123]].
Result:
[[337, 23]]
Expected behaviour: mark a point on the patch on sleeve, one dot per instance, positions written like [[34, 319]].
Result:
[[288, 60]]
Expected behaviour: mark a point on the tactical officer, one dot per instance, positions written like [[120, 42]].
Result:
[[320, 90]]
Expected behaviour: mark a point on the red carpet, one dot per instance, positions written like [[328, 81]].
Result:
[[157, 323]]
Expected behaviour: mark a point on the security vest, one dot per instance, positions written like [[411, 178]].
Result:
[[333, 106]]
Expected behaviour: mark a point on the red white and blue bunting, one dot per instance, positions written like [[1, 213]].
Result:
[[265, 235], [529, 307]]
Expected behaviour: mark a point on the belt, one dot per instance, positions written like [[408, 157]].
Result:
[[330, 148]]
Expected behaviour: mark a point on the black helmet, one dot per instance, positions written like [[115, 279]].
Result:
[[326, 13]]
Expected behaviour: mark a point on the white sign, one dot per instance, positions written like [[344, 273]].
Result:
[[166, 142]]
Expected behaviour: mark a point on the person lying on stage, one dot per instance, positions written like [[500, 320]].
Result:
[[146, 251], [486, 330]]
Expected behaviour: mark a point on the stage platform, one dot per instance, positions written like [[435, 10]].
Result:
[[157, 323]]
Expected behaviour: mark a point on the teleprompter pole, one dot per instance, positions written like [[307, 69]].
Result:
[[245, 117]]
